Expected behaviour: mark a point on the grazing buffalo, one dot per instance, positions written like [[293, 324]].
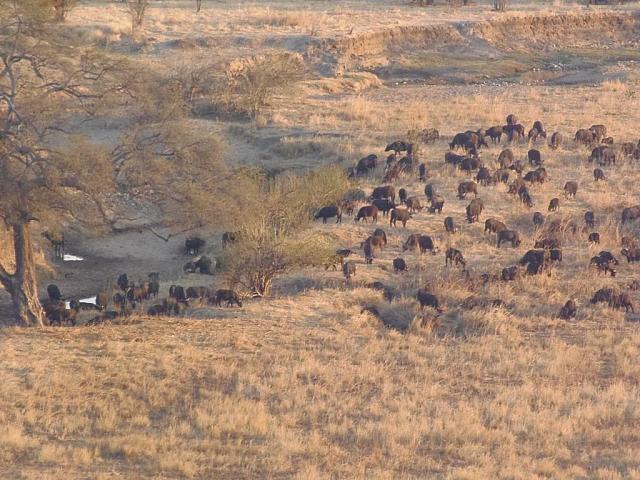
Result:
[[598, 175], [349, 269], [584, 136], [123, 282], [454, 159], [429, 191], [568, 311], [599, 132], [631, 254], [509, 274], [228, 296], [514, 132], [381, 235], [366, 164], [554, 205], [454, 256], [470, 164], [386, 191], [556, 141], [533, 256], [397, 147], [613, 299], [540, 128], [368, 211], [555, 255], [508, 236], [437, 203], [384, 205], [423, 242], [603, 155], [368, 252], [422, 173], [594, 238], [494, 133], [630, 213], [534, 157], [501, 175], [474, 209], [399, 265], [535, 268], [627, 149], [603, 261], [512, 119], [402, 195], [467, 187], [427, 299], [590, 219], [413, 204], [194, 293], [329, 212], [538, 220], [205, 265], [192, 245], [449, 225], [570, 189], [505, 159], [547, 243], [53, 292], [493, 225], [484, 176], [399, 214]]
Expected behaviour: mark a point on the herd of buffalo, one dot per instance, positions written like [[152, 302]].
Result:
[[395, 205], [388, 202], [129, 296]]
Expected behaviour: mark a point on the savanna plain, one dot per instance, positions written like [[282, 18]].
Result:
[[317, 375]]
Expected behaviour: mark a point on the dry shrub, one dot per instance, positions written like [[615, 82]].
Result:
[[252, 83]]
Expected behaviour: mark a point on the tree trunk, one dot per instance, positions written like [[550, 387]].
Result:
[[23, 285]]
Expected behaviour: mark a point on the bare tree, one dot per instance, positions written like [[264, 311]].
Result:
[[198, 5], [137, 9], [252, 84]]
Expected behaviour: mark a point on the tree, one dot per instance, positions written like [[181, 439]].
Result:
[[198, 5], [50, 175], [252, 83], [62, 7], [44, 89], [273, 235], [137, 9]]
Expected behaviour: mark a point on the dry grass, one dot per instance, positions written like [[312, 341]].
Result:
[[262, 393]]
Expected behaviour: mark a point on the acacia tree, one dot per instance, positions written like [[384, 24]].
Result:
[[274, 235], [50, 175]]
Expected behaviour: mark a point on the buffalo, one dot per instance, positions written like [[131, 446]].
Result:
[[474, 209], [454, 256], [467, 187], [598, 175], [399, 214], [508, 236], [449, 225], [568, 311], [399, 265], [228, 296], [538, 220], [329, 212], [368, 211], [192, 245], [554, 205]]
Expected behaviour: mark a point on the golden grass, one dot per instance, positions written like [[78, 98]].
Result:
[[327, 392]]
